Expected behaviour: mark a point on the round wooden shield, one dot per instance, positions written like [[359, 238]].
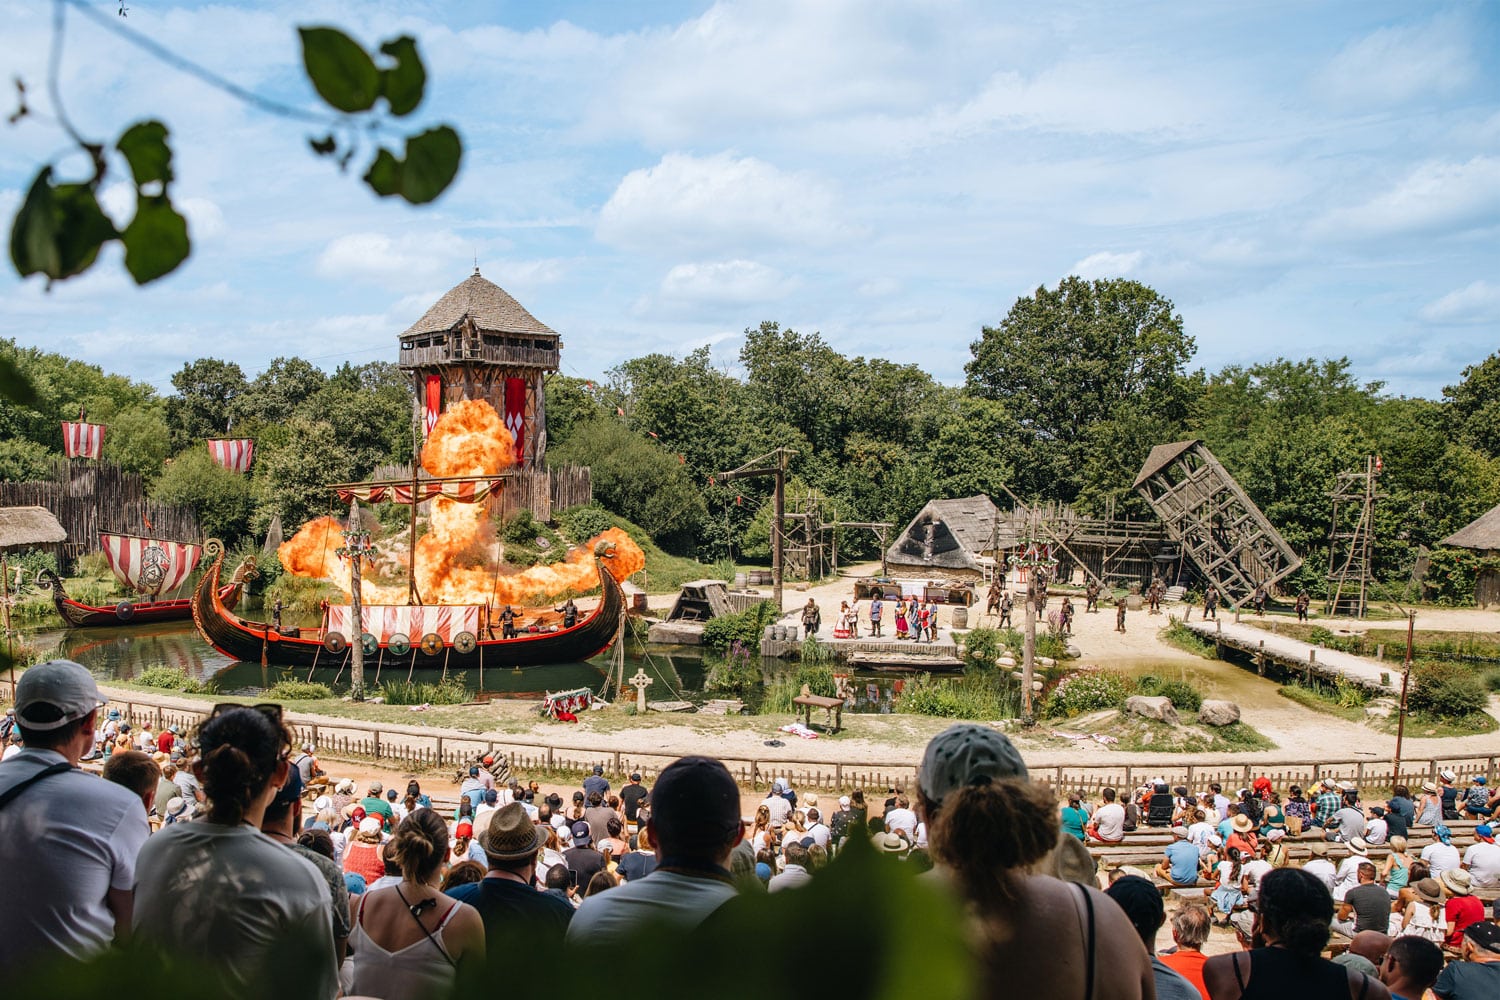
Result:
[[335, 642], [370, 643], [125, 611], [465, 642], [432, 644], [398, 644]]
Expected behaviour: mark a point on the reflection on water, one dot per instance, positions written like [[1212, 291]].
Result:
[[122, 653]]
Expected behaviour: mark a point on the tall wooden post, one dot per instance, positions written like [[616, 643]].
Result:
[[1028, 655], [1411, 625], [778, 531], [356, 611]]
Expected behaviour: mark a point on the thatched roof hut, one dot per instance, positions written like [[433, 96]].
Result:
[[948, 538], [23, 527], [1482, 534], [485, 304]]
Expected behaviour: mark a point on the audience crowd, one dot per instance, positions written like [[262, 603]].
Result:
[[227, 841]]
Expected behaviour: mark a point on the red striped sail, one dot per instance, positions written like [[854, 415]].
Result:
[[149, 565], [81, 440], [235, 454]]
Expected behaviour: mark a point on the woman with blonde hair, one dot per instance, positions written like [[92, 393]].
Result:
[[410, 940], [989, 825], [1396, 871]]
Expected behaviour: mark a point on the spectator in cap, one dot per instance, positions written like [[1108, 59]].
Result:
[[410, 940], [1141, 901], [1476, 798], [583, 857], [463, 846], [777, 804], [632, 796], [70, 892], [218, 889], [1410, 967], [1482, 859], [376, 805], [1477, 975], [989, 825], [506, 898], [1289, 931], [596, 782], [695, 824], [281, 823]]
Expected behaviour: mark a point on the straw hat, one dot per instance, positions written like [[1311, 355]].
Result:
[[511, 836], [1457, 880], [1429, 787], [1359, 846], [1447, 775], [1242, 824], [1428, 891]]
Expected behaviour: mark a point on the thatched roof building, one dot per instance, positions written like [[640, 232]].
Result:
[[948, 538], [1481, 534], [485, 304], [23, 527]]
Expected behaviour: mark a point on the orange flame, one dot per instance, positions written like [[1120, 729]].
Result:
[[456, 559]]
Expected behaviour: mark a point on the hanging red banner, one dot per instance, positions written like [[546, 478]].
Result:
[[433, 401], [515, 414], [83, 440], [235, 454]]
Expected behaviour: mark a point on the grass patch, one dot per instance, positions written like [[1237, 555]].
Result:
[[1322, 701], [743, 628], [170, 679], [1178, 635], [298, 691], [1424, 724], [784, 687], [663, 573], [973, 698], [452, 691], [1137, 734]]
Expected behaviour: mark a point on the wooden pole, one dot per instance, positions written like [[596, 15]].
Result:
[[778, 533], [1411, 625], [356, 610], [10, 649]]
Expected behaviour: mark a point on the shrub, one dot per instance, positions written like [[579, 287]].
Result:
[[453, 691], [744, 627], [1182, 695], [171, 679], [1088, 691], [289, 690], [989, 698], [733, 673], [1052, 646], [1446, 690], [583, 523], [814, 651], [724, 569], [982, 647]]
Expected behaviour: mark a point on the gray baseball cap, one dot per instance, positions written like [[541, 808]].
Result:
[[964, 755], [62, 685]]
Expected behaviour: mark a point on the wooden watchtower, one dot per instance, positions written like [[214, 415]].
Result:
[[477, 342], [1211, 517]]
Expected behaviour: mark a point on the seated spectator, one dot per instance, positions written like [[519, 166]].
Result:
[[901, 819], [1477, 975], [560, 885], [1142, 904], [1441, 855], [1366, 907], [1482, 859], [1290, 930], [1107, 825], [989, 824], [135, 771], [794, 873], [695, 823], [1366, 953], [601, 882], [219, 887], [1462, 909], [463, 873], [1411, 967], [507, 902], [582, 857], [1074, 817], [640, 862], [1190, 929], [1424, 916], [1181, 864], [362, 855]]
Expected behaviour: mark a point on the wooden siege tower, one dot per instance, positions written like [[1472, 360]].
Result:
[[477, 342], [1211, 517], [1351, 540]]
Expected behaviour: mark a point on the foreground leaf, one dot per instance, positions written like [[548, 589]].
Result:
[[156, 241], [402, 85], [33, 235], [432, 160], [340, 69], [15, 387], [144, 146], [384, 175]]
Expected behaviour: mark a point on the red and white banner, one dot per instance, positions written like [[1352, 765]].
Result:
[[149, 565], [412, 621], [235, 454], [467, 492], [81, 440], [515, 414], [433, 403]]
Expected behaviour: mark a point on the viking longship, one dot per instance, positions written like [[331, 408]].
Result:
[[413, 636], [148, 568]]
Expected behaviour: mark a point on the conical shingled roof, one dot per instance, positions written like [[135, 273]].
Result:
[[486, 303]]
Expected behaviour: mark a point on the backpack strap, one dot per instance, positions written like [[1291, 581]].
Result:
[[12, 792]]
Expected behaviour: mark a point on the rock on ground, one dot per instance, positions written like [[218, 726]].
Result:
[[1219, 713], [1158, 708]]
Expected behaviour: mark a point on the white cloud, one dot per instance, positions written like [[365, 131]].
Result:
[[1437, 196], [1477, 302], [721, 202], [725, 281], [1400, 63], [382, 259], [1107, 264]]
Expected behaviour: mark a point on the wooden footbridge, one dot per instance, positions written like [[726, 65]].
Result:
[[1295, 656]]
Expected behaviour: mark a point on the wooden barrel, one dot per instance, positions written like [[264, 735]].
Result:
[[960, 617], [739, 581]]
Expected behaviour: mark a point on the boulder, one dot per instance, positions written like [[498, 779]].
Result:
[[1074, 652], [1380, 708], [1007, 661], [1219, 713], [1158, 708], [1045, 661]]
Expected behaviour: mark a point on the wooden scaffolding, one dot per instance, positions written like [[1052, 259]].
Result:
[[1218, 526], [1351, 540]]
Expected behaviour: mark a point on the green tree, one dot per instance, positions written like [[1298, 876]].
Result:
[[281, 390], [1068, 358], [23, 461], [1474, 406], [221, 498], [137, 440], [369, 407], [204, 405], [292, 480]]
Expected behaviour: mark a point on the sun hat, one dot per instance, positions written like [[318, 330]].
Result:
[[1318, 848], [1447, 774], [1457, 880], [844, 801], [345, 786], [1214, 840], [322, 802], [511, 835], [369, 824], [1359, 846], [176, 806], [1428, 891], [967, 754], [581, 835], [1242, 824], [888, 843], [64, 691], [1330, 784], [463, 831], [1429, 787], [1180, 832]]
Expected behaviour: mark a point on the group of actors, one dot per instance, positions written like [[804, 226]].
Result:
[[914, 619]]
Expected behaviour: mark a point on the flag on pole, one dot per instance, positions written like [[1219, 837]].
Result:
[[235, 454], [83, 440], [433, 402]]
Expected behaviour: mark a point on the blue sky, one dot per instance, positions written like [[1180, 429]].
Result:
[[1300, 179]]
